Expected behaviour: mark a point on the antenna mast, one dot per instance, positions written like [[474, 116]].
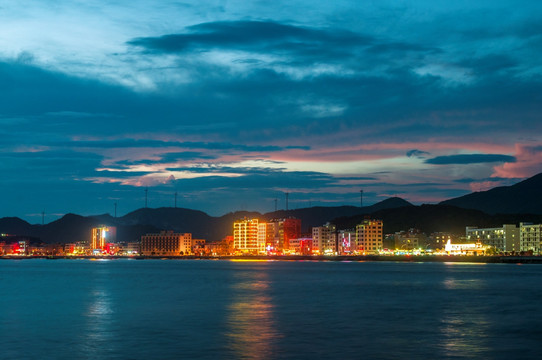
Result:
[[287, 201], [146, 193]]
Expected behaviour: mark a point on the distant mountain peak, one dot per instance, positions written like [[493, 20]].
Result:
[[524, 197]]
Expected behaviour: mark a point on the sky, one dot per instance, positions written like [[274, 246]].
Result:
[[232, 104]]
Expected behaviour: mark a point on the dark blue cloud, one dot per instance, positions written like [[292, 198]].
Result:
[[417, 153], [250, 34], [469, 159], [267, 37]]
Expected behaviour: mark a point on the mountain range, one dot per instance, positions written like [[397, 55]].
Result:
[[522, 198], [512, 204]]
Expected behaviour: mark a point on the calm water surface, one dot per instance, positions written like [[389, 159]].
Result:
[[189, 309]]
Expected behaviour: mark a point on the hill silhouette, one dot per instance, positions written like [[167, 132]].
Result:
[[524, 197]]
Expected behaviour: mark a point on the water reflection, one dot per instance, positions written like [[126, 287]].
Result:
[[99, 315], [465, 324], [250, 323], [454, 284], [465, 333]]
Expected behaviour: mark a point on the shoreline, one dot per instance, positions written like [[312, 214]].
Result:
[[347, 258]]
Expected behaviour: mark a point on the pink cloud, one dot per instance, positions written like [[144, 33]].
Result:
[[528, 163]]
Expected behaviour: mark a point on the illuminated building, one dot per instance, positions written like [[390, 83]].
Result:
[[262, 237], [409, 240], [505, 238], [438, 240], [279, 233], [198, 247], [530, 238], [221, 248], [302, 246], [166, 243], [324, 239], [346, 241], [465, 249], [245, 235], [19, 248], [369, 237], [131, 248], [101, 236]]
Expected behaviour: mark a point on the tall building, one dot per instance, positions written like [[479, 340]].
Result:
[[324, 239], [505, 238], [262, 237], [346, 241], [102, 235], [369, 237], [166, 243], [279, 233], [530, 238], [245, 235]]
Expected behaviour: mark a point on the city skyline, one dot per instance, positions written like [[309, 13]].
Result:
[[227, 106]]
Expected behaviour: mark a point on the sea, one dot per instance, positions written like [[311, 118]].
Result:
[[221, 309]]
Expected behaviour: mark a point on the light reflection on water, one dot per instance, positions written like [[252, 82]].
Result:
[[250, 322], [464, 333], [99, 315], [464, 324]]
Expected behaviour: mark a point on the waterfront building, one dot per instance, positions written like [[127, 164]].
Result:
[[504, 239], [465, 249], [54, 249], [245, 236], [301, 246], [223, 247], [324, 239], [131, 248], [410, 240], [102, 235], [369, 237], [198, 247], [530, 238], [262, 237], [166, 243], [18, 248], [346, 241], [18, 245], [279, 232], [437, 241]]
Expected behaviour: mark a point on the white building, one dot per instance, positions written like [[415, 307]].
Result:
[[530, 238], [465, 249], [324, 239], [505, 238]]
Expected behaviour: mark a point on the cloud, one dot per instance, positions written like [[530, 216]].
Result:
[[469, 159], [251, 35], [528, 163], [417, 153]]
